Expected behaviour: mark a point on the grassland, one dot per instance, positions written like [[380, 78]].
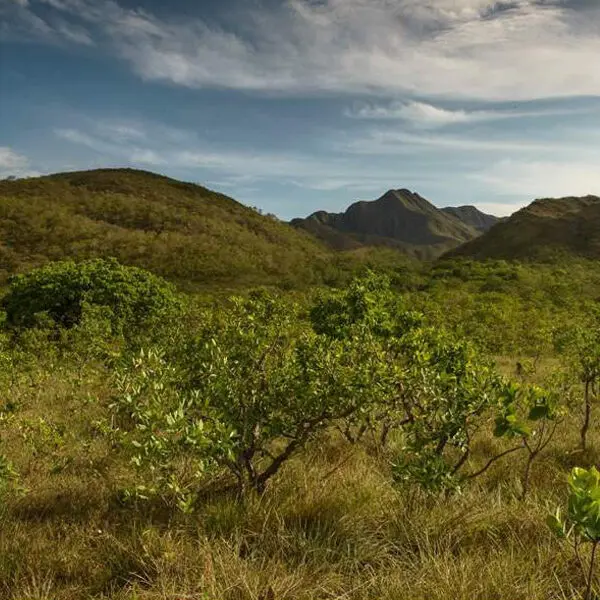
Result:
[[331, 525]]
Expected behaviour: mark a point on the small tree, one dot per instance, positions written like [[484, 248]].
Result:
[[581, 525], [368, 308], [585, 361], [531, 414], [258, 386], [137, 299], [444, 390]]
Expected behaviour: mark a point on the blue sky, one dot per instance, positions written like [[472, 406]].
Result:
[[300, 105]]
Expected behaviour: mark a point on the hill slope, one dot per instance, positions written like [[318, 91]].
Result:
[[399, 218], [542, 229], [182, 231], [472, 216]]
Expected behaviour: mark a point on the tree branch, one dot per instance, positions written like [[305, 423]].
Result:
[[493, 460]]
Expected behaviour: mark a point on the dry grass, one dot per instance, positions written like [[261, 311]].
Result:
[[331, 526]]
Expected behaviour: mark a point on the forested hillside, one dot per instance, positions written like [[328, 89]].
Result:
[[546, 229], [179, 230]]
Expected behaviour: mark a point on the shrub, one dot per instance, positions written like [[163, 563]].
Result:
[[368, 302], [136, 298], [581, 525], [444, 388], [248, 395]]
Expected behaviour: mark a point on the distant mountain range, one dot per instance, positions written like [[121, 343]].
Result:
[[546, 228], [400, 219]]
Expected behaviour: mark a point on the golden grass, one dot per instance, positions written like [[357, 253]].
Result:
[[332, 525]]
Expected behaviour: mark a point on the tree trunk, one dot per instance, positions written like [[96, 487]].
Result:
[[525, 481], [587, 415], [590, 576]]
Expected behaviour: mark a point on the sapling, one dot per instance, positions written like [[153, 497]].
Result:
[[532, 414], [581, 524], [589, 363], [585, 363]]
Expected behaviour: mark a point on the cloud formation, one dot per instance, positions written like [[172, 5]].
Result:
[[428, 116], [155, 146], [400, 143], [9, 159], [543, 179], [13, 164], [479, 49]]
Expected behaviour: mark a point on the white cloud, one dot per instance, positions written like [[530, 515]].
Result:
[[542, 179], [146, 157], [9, 159], [428, 116], [118, 131], [113, 139], [480, 49], [73, 33], [77, 137], [13, 164], [390, 142], [417, 112]]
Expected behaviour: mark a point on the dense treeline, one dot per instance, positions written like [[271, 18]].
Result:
[[405, 436]]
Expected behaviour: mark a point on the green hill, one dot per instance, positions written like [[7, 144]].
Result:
[[179, 230], [546, 228], [399, 219]]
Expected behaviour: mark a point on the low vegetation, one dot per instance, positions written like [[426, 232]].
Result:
[[409, 435]]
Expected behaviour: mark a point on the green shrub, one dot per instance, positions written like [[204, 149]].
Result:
[[60, 291], [248, 394], [581, 524]]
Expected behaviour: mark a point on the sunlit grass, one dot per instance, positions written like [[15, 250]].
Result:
[[331, 525]]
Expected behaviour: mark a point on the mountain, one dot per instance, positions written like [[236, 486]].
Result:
[[470, 215], [401, 219], [545, 228], [182, 231]]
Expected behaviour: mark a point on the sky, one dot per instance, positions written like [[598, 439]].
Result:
[[298, 105]]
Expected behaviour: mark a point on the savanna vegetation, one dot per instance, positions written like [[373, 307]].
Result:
[[415, 432]]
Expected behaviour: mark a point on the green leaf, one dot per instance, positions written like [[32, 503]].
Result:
[[538, 412]]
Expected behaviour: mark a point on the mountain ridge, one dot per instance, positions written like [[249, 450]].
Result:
[[472, 216], [399, 218]]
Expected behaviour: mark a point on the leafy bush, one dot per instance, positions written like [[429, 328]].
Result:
[[582, 522], [246, 395], [136, 298], [368, 302], [444, 388]]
